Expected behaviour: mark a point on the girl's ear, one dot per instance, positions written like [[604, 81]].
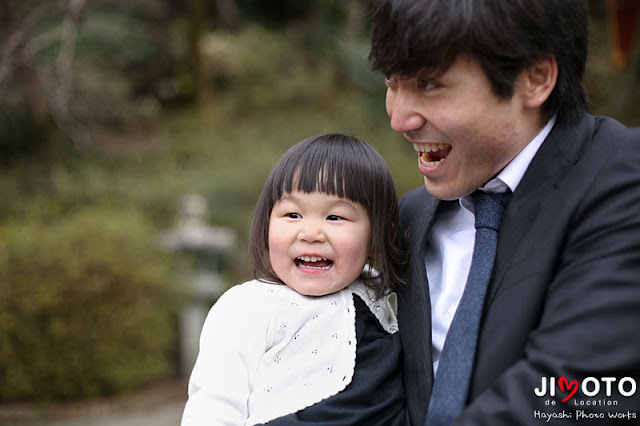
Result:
[[538, 81]]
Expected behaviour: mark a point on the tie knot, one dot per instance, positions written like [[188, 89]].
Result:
[[489, 208]]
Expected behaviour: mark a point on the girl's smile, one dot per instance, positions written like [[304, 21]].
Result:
[[318, 243]]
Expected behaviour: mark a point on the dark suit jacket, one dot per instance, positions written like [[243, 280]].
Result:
[[564, 298]]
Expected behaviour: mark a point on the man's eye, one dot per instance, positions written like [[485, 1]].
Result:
[[390, 80], [426, 84]]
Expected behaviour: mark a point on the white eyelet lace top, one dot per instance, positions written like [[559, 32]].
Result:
[[267, 351]]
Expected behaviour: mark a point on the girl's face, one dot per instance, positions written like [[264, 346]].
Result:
[[318, 243]]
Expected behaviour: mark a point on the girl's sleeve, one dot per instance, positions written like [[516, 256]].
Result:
[[233, 339]]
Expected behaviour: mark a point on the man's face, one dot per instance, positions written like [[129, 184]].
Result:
[[463, 133]]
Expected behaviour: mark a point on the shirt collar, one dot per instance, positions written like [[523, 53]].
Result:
[[511, 175]]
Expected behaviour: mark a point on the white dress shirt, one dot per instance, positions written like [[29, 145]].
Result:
[[448, 257]]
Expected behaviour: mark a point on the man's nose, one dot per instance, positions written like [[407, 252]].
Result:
[[404, 112]]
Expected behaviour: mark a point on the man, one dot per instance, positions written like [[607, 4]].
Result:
[[490, 94]]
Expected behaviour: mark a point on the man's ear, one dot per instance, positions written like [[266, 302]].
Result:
[[538, 81]]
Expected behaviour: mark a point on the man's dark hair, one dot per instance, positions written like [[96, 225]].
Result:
[[504, 36], [349, 168]]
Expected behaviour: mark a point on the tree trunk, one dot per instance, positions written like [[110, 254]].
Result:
[[197, 27], [17, 63], [354, 23], [227, 12]]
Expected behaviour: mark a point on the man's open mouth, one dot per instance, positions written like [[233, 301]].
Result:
[[313, 262], [432, 154]]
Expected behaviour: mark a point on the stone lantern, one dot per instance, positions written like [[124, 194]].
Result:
[[203, 283]]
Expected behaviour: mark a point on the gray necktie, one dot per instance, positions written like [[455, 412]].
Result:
[[451, 384]]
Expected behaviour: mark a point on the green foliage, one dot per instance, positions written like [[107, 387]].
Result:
[[122, 57], [270, 67], [86, 306]]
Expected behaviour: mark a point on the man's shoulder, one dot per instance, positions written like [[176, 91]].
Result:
[[602, 136], [415, 198], [606, 127], [414, 201], [616, 145]]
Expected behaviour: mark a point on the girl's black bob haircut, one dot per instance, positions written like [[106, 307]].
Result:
[[339, 165]]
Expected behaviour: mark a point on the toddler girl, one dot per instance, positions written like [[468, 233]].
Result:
[[313, 338]]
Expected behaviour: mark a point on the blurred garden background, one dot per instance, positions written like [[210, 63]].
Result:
[[112, 111]]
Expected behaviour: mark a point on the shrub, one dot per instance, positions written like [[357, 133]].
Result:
[[86, 306]]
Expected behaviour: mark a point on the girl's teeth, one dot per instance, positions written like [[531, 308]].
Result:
[[311, 258], [313, 262]]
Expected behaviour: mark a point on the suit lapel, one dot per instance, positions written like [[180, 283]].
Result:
[[416, 325], [558, 153]]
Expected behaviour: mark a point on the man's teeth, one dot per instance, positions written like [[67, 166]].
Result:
[[429, 147], [424, 159], [424, 149]]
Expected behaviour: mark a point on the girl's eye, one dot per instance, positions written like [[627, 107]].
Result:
[[334, 217], [293, 215]]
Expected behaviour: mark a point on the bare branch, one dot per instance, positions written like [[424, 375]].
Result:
[[18, 32], [64, 63], [77, 133]]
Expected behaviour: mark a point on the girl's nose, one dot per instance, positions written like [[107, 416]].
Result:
[[311, 232]]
